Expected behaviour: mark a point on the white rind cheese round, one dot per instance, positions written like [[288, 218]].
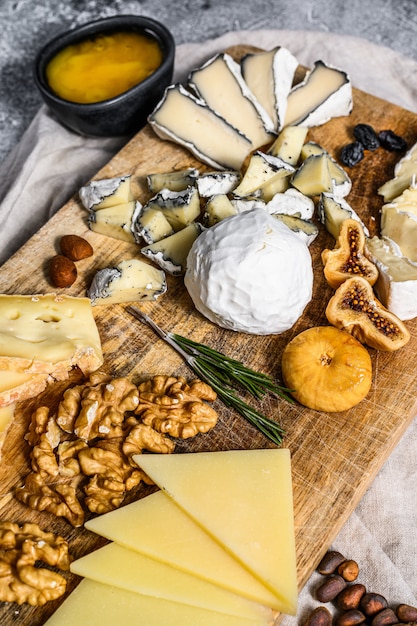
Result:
[[250, 273]]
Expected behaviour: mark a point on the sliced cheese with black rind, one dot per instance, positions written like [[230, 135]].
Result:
[[325, 92], [396, 286], [114, 221], [187, 120], [176, 180], [213, 183], [262, 169], [179, 207], [150, 225], [306, 230], [217, 208], [171, 253], [342, 183], [100, 194], [333, 210], [289, 143], [313, 176], [222, 75], [132, 280], [270, 76]]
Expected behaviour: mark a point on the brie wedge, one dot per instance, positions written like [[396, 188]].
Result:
[[171, 253], [100, 194]]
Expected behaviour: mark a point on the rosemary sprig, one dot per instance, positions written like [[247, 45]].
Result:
[[225, 375]]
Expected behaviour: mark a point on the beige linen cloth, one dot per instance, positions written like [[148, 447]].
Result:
[[50, 164]]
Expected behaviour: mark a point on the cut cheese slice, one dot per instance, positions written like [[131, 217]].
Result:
[[342, 184], [120, 567], [325, 92], [142, 526], [219, 83], [6, 418], [100, 194], [171, 253], [401, 227], [179, 207], [17, 386], [150, 224], [95, 604], [333, 211], [188, 121], [262, 169], [114, 221], [269, 76], [175, 181], [48, 334], [218, 207], [313, 176], [243, 499], [289, 143], [214, 183]]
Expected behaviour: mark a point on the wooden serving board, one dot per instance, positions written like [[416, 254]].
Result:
[[334, 456]]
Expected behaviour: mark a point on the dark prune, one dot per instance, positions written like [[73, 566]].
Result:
[[367, 136], [390, 141], [352, 153]]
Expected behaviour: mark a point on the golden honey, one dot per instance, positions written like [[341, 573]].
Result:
[[103, 66]]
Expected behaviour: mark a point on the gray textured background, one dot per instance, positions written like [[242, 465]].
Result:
[[26, 25]]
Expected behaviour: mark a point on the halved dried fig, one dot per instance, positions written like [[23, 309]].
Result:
[[327, 369], [355, 309], [347, 258]]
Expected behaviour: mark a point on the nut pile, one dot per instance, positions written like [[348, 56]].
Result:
[[62, 268], [355, 604]]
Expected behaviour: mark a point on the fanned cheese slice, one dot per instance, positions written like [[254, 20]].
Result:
[[243, 499], [269, 75], [325, 92], [188, 121], [219, 83], [129, 570], [48, 334], [95, 604], [142, 526]]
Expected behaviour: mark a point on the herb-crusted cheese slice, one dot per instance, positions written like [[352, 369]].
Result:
[[171, 253], [188, 121], [114, 221], [269, 75], [131, 280], [100, 194], [222, 75], [324, 93], [48, 334]]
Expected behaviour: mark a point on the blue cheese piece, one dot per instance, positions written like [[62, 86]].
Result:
[[262, 169], [131, 280], [325, 92], [114, 221], [291, 202], [107, 192], [219, 83], [171, 253], [213, 183], [217, 208], [187, 120], [306, 230], [150, 225], [176, 180], [332, 211], [396, 286], [179, 207], [270, 76]]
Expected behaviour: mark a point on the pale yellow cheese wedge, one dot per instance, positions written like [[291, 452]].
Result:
[[132, 571], [17, 386], [243, 499], [181, 543], [6, 418], [95, 604]]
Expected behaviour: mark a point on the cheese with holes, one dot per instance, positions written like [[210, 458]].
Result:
[[243, 499], [100, 194], [142, 526], [129, 570], [187, 120], [48, 334], [176, 180], [262, 169], [114, 221], [222, 75], [131, 280], [171, 253], [95, 604], [324, 93], [269, 76]]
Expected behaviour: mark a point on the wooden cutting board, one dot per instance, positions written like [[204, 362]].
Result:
[[334, 456]]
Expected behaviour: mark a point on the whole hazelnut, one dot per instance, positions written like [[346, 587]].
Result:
[[62, 271]]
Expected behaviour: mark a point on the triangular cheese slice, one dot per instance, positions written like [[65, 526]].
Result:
[[132, 571], [181, 543], [243, 499], [95, 604]]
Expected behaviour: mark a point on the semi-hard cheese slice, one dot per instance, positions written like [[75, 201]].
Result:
[[219, 83], [269, 75], [175, 181], [100, 194], [289, 143], [48, 334], [95, 604], [150, 224], [401, 227], [183, 544], [188, 121], [131, 280], [262, 169], [325, 92], [114, 221], [120, 567], [17, 386], [243, 499], [179, 207], [6, 418], [171, 253]]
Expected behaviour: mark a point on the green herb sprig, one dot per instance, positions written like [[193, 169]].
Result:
[[225, 375]]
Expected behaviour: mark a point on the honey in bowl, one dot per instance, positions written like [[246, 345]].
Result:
[[104, 66]]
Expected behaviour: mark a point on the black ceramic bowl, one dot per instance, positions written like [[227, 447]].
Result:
[[126, 113]]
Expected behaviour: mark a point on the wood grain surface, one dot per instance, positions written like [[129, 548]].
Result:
[[334, 456]]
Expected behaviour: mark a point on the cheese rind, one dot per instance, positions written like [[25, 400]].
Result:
[[150, 224], [129, 570], [333, 211], [17, 386], [263, 169], [114, 221], [171, 253], [6, 419], [255, 487], [179, 207], [48, 334], [100, 194]]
